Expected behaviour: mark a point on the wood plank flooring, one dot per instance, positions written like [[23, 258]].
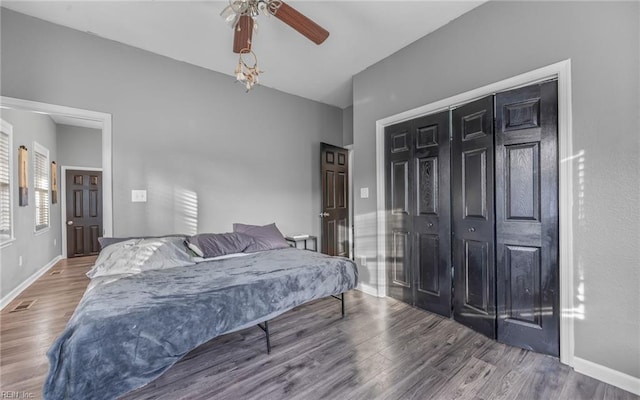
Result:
[[382, 349]]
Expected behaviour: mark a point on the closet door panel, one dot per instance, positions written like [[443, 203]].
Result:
[[429, 261], [527, 218], [476, 268], [474, 183], [473, 230], [432, 215], [399, 225]]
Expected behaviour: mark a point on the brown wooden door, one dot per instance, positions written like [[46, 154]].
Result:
[[335, 200], [84, 212], [527, 217], [473, 227], [418, 212]]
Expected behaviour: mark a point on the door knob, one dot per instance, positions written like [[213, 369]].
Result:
[[324, 214], [472, 229], [430, 224], [69, 223]]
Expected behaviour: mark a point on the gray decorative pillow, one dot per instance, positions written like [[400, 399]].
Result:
[[210, 245], [267, 237], [138, 255]]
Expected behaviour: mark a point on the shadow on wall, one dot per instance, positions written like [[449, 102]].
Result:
[[185, 211], [578, 311], [169, 209], [366, 247]]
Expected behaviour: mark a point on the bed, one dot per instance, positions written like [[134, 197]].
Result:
[[132, 325]]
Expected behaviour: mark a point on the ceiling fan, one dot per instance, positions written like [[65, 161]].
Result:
[[242, 15]]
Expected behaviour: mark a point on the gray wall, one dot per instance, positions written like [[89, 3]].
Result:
[[36, 249], [499, 40], [347, 126], [79, 147], [208, 153]]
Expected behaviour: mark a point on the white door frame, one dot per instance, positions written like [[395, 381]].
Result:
[[63, 201], [105, 120], [561, 71], [350, 194]]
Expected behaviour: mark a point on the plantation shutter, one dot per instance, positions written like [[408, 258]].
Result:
[[41, 187], [5, 190]]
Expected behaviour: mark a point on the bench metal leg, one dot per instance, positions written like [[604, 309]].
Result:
[[341, 298], [265, 328]]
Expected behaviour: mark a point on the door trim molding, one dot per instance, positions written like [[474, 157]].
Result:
[[95, 116], [350, 191], [566, 158], [63, 201]]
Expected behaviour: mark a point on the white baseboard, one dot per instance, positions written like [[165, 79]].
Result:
[[607, 375], [370, 290], [15, 292]]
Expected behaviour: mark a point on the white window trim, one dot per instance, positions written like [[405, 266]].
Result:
[[8, 128], [38, 148]]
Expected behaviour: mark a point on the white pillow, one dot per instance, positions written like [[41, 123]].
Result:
[[138, 255]]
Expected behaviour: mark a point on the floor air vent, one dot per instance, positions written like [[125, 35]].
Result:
[[58, 272], [24, 305]]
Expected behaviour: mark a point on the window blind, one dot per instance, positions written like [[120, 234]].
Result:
[[41, 186], [5, 189]]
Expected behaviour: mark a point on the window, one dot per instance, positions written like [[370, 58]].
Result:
[[6, 209], [41, 185]]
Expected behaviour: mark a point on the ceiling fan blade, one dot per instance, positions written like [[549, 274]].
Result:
[[301, 23], [243, 32]]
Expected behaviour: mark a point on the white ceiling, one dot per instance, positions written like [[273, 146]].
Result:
[[361, 34]]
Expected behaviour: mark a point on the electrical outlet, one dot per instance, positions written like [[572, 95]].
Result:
[[363, 261], [19, 261], [138, 196]]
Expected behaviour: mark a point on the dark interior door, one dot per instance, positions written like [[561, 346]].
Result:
[[430, 211], [527, 217], [473, 235], [399, 222], [418, 219], [84, 212], [335, 200]]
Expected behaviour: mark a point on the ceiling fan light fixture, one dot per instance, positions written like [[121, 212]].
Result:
[[263, 7], [229, 16], [242, 15]]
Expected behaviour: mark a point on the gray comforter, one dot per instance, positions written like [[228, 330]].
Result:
[[127, 332]]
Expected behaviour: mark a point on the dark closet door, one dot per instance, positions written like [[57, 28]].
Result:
[[418, 212], [473, 216], [431, 213], [399, 184], [527, 218]]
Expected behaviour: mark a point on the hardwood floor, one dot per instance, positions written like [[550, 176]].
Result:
[[382, 349]]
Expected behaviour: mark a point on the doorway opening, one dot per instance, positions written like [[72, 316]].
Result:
[[76, 117]]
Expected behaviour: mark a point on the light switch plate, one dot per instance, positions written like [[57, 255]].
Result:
[[364, 193], [138, 196]]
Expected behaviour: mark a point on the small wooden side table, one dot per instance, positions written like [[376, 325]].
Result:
[[306, 242]]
